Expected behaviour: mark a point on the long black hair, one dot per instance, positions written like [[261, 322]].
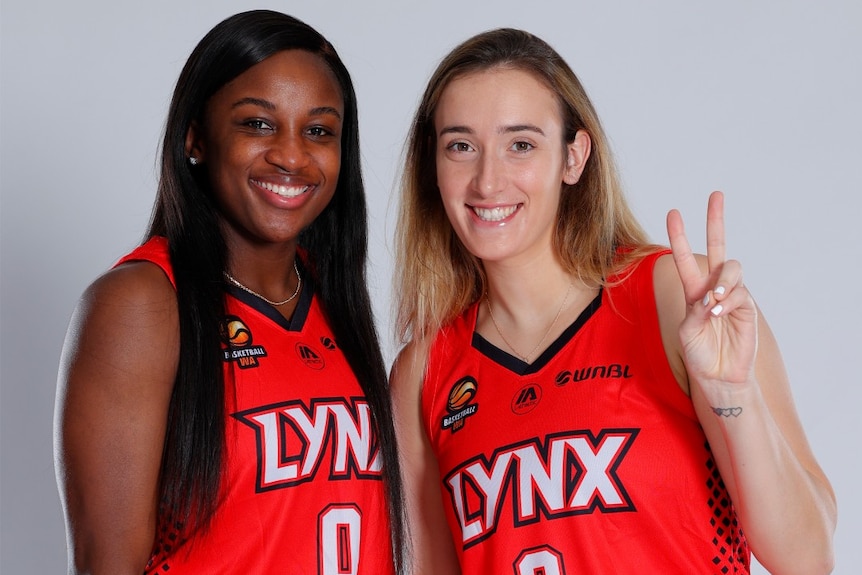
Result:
[[336, 245]]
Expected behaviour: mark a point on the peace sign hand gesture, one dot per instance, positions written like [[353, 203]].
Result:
[[719, 331]]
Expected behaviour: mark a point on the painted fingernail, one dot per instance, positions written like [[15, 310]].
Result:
[[719, 290], [716, 310], [706, 300]]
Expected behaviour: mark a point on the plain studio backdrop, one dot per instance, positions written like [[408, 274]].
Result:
[[758, 99]]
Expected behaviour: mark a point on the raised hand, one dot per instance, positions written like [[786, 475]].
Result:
[[719, 331]]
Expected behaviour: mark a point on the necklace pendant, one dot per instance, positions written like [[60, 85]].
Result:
[[526, 358]]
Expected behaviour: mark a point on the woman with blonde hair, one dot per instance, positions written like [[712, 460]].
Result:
[[572, 398]]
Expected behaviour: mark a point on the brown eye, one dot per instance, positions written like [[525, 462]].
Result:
[[459, 147], [258, 125], [319, 131]]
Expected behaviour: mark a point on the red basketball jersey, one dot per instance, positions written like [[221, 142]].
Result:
[[302, 490], [589, 460]]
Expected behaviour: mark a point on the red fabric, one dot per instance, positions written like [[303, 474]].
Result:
[[591, 460], [302, 491]]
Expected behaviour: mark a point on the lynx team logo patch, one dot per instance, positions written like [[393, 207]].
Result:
[[460, 403], [237, 341]]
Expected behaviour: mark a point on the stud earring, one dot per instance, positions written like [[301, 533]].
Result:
[[193, 161]]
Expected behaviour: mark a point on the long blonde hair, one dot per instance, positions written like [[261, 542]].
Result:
[[596, 234]]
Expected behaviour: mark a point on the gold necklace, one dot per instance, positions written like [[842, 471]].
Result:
[[526, 358], [235, 282]]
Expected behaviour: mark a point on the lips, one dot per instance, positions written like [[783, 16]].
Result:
[[496, 214], [281, 190]]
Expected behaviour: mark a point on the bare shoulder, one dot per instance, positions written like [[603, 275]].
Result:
[[406, 382], [125, 319], [133, 286], [408, 370]]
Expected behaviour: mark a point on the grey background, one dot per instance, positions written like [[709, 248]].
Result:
[[759, 99]]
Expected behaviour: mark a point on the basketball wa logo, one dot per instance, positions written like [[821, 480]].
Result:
[[459, 404], [237, 341]]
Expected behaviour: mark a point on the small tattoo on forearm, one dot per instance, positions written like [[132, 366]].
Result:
[[727, 411]]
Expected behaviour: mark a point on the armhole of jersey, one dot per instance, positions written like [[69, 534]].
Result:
[[155, 250]]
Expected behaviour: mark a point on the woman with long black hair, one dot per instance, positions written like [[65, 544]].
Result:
[[222, 403]]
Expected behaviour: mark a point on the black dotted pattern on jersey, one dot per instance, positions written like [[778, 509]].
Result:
[[167, 541], [731, 548]]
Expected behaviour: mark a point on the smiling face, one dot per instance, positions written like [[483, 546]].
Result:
[[502, 160], [270, 142]]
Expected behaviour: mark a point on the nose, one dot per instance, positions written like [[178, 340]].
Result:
[[288, 151], [489, 177]]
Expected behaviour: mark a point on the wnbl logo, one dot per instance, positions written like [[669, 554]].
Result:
[[611, 371], [293, 440]]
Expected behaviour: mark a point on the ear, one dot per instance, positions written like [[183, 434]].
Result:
[[577, 154], [194, 144]]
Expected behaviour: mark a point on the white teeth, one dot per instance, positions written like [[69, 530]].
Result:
[[494, 214], [283, 191]]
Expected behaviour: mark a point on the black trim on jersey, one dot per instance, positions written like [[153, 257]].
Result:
[[300, 314], [519, 366]]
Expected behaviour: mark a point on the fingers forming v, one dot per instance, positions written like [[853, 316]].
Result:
[[695, 283]]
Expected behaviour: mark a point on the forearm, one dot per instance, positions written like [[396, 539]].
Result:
[[786, 507]]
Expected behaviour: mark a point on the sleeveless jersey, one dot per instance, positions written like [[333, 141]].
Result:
[[302, 491], [589, 460]]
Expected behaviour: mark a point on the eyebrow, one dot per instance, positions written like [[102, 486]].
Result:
[[267, 105], [321, 110], [522, 128], [503, 130]]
